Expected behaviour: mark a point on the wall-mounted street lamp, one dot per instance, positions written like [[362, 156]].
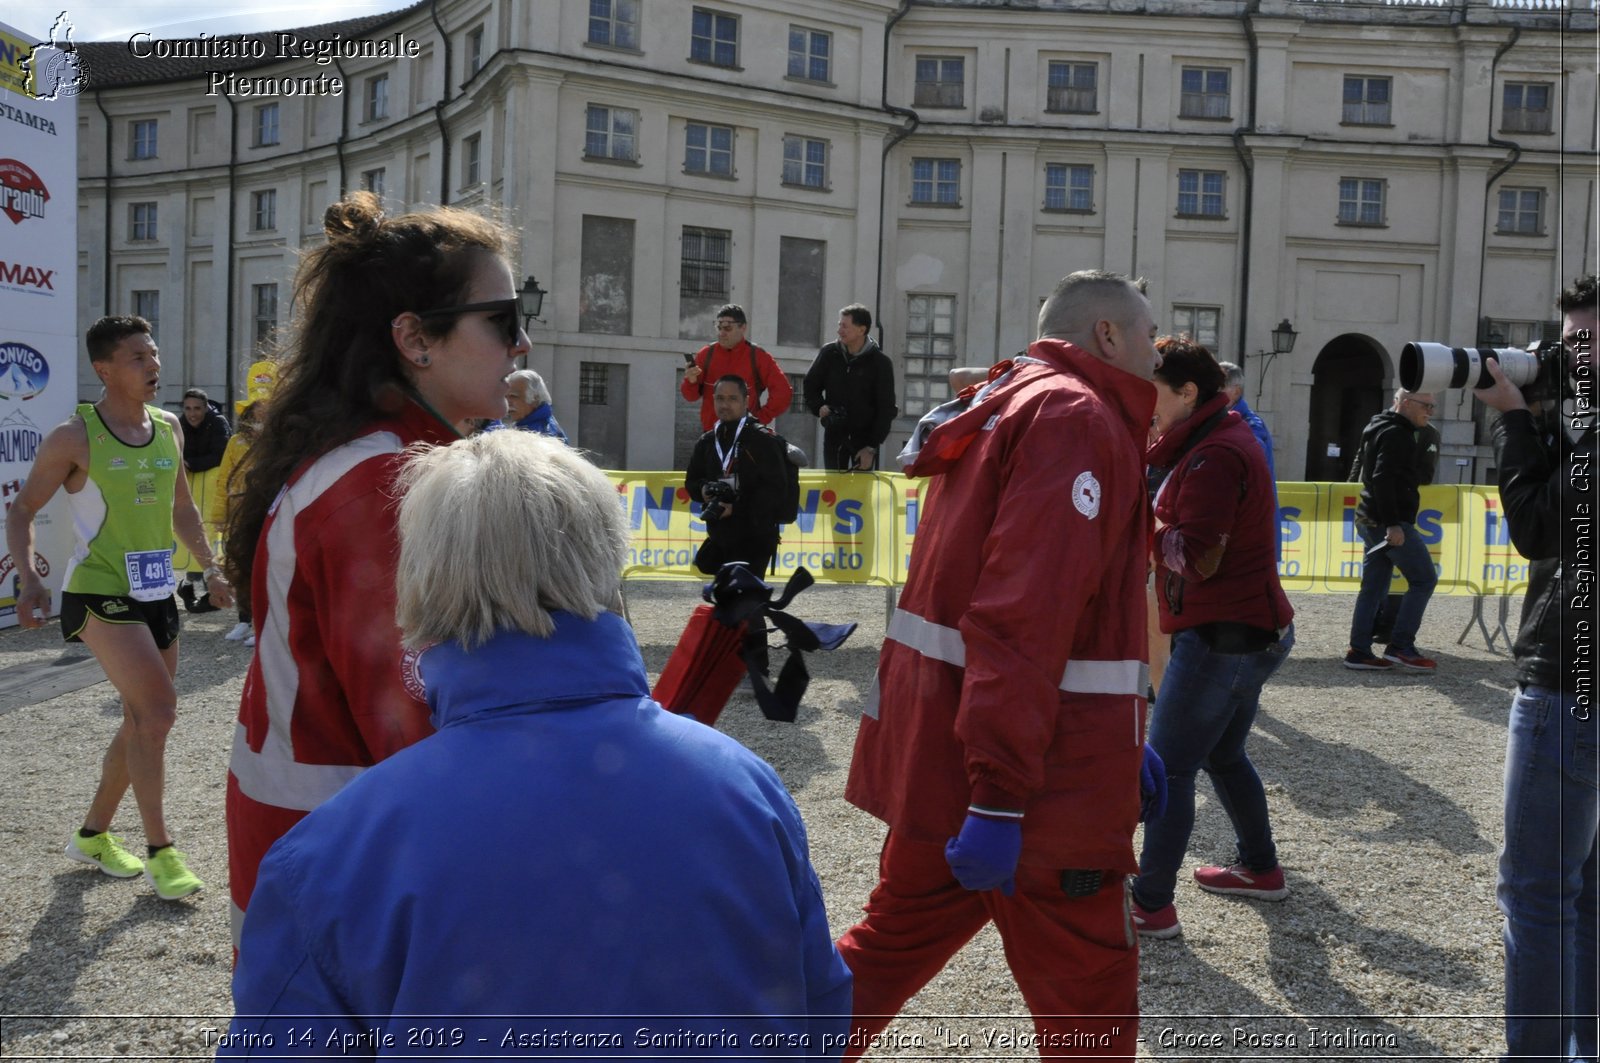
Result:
[[531, 301], [1283, 338]]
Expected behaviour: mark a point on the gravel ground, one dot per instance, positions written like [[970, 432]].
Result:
[[1385, 794]]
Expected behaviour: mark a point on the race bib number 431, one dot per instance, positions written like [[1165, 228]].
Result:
[[150, 576]]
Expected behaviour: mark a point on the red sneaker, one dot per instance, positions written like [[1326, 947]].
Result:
[[1161, 923], [1242, 882], [1408, 658]]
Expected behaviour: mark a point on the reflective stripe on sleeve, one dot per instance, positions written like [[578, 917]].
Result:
[[1080, 677]]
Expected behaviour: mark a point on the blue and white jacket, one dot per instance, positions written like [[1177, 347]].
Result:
[[563, 867]]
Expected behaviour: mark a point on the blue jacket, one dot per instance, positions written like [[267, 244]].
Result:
[[543, 421], [1259, 428], [601, 877]]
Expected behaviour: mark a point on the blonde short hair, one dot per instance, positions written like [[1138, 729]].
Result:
[[499, 529]]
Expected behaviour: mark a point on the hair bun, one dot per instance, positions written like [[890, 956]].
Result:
[[355, 219]]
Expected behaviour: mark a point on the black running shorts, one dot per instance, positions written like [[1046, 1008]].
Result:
[[160, 617]]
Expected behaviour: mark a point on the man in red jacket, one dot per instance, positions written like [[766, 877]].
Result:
[[733, 355], [1002, 742]]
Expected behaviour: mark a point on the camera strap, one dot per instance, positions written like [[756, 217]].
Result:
[[725, 458]]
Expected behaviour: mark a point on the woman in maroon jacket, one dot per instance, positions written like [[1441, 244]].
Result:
[[1217, 583]]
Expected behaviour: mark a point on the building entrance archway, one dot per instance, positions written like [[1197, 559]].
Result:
[[1347, 389]]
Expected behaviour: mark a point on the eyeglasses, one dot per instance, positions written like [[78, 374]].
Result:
[[727, 326], [1425, 405], [503, 313]]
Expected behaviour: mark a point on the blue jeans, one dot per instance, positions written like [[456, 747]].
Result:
[[1547, 884], [1412, 559], [1203, 715]]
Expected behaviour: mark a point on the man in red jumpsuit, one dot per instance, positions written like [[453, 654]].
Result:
[[1003, 739]]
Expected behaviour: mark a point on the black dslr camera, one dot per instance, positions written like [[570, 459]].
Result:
[[717, 492], [1540, 372], [836, 417]]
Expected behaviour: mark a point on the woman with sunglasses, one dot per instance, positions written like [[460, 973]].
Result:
[[406, 330]]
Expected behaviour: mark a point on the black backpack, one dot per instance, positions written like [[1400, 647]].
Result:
[[794, 460]]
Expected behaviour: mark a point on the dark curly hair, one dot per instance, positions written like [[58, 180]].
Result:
[[1184, 361], [1581, 296], [340, 370]]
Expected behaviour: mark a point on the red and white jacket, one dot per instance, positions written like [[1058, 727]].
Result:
[[326, 696], [1014, 672]]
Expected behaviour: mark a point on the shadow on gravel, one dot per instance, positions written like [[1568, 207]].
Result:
[[793, 751], [1417, 811], [43, 978]]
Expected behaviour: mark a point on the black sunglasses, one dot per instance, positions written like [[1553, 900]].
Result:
[[505, 312]]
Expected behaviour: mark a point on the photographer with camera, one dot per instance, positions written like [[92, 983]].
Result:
[[736, 470], [850, 387], [1548, 888]]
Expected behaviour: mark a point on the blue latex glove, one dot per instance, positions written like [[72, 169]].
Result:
[[1152, 787], [984, 855]]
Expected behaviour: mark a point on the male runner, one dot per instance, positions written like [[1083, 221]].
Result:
[[120, 461]]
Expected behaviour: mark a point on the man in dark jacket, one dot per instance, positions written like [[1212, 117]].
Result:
[[746, 460], [850, 387], [205, 437], [1548, 881], [1386, 521]]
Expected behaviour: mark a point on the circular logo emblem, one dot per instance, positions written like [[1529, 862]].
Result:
[[1086, 494], [23, 371], [411, 675]]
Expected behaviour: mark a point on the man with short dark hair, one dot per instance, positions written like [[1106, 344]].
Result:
[[119, 460], [734, 355], [1003, 740], [205, 438], [1549, 888], [736, 472], [850, 387], [1386, 520]]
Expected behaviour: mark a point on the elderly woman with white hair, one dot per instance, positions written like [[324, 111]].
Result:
[[528, 405], [561, 846]]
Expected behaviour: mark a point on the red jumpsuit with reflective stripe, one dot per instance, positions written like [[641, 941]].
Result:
[[326, 695], [1013, 677]]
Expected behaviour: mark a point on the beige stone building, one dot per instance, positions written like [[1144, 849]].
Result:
[[1372, 173]]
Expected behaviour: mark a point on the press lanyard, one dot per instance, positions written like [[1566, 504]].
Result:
[[726, 457]]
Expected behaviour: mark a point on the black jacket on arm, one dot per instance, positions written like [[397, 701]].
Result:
[[863, 384], [1548, 493], [750, 533], [1389, 471]]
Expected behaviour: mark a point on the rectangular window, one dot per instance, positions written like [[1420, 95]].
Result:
[[1360, 201], [714, 38], [377, 97], [593, 379], [264, 209], [266, 125], [142, 139], [1202, 323], [1525, 107], [1521, 211], [936, 181], [609, 133], [614, 23], [1069, 187], [704, 272], [1516, 333], [708, 149], [372, 181], [1366, 100], [940, 81], [264, 313], [147, 304], [605, 270], [930, 351], [1072, 88], [142, 221], [1200, 193], [472, 159], [805, 162], [474, 50], [810, 54], [801, 265], [1205, 92]]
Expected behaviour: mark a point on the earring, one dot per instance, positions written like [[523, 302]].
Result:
[[395, 323], [423, 360]]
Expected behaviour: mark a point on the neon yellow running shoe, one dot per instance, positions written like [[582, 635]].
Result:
[[103, 852], [170, 875]]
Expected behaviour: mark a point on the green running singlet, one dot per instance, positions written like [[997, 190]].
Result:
[[122, 518]]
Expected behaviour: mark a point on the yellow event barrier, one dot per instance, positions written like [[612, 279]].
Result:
[[858, 528]]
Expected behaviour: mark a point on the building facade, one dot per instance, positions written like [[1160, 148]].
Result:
[[1372, 173]]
